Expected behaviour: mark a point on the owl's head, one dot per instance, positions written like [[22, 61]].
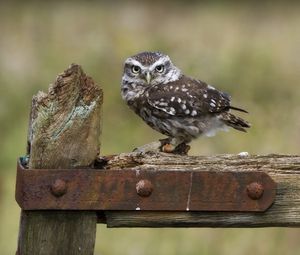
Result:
[[150, 68]]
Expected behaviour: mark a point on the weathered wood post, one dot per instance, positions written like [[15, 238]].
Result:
[[64, 132]]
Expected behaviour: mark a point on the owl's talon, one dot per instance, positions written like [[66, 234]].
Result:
[[181, 149], [168, 148]]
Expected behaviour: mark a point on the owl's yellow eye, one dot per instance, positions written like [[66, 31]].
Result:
[[160, 68], [135, 69]]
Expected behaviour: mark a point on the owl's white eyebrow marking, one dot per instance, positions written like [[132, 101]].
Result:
[[159, 62], [132, 61]]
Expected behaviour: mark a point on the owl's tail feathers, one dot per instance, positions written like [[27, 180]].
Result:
[[235, 122], [238, 109]]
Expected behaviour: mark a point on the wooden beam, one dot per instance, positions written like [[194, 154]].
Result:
[[64, 132], [283, 169]]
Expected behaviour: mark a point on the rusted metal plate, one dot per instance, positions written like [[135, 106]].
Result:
[[162, 190]]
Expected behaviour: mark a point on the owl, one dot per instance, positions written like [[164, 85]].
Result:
[[178, 106]]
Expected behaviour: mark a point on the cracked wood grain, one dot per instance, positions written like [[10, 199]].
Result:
[[64, 132], [283, 169]]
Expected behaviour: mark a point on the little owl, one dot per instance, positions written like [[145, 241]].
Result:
[[175, 105]]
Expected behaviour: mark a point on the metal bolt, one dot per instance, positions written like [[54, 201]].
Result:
[[144, 188], [59, 188], [255, 190]]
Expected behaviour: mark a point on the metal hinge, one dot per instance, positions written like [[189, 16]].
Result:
[[159, 190]]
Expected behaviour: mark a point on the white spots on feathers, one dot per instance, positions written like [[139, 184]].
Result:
[[179, 100], [163, 104], [187, 111], [210, 87], [205, 95], [212, 105], [183, 106], [172, 99], [172, 111], [194, 113]]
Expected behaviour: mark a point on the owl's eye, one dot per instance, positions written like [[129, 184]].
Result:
[[160, 68], [135, 69]]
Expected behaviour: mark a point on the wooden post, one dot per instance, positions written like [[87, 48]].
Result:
[[64, 132], [283, 169]]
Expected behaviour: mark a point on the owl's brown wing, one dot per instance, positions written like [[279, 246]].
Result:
[[187, 97]]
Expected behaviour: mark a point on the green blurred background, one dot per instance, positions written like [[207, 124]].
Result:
[[251, 51]]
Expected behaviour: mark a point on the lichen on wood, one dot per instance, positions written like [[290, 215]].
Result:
[[64, 132], [65, 122]]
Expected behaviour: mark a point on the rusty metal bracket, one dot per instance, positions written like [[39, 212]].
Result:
[[163, 190]]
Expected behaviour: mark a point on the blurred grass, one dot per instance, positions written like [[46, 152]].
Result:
[[251, 51]]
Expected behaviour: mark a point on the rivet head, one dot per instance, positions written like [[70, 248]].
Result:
[[59, 188], [144, 188], [255, 190]]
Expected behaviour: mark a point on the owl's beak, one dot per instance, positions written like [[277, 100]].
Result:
[[148, 77]]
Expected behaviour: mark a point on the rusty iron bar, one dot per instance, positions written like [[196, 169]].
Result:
[[163, 190]]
